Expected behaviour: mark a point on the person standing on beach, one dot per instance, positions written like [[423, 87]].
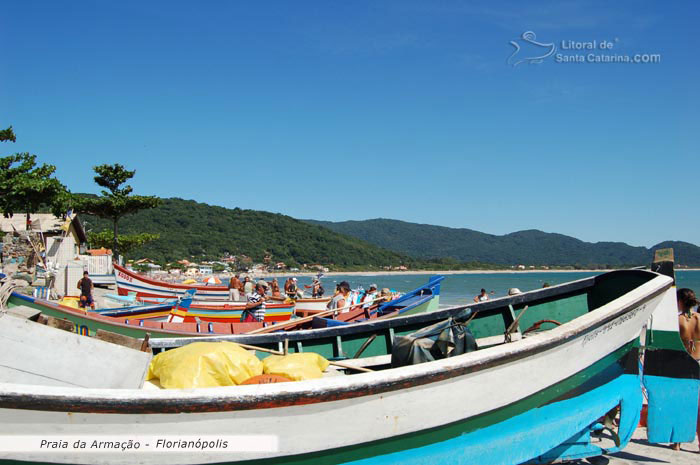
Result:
[[85, 285], [483, 297], [234, 288], [689, 328], [688, 321]]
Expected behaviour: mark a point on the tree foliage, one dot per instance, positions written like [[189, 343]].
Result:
[[198, 231], [25, 187], [127, 242], [115, 202], [113, 176], [7, 134]]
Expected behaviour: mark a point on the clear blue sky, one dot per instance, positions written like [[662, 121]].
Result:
[[356, 110]]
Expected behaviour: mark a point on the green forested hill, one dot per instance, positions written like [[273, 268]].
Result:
[[189, 229], [193, 230], [530, 247]]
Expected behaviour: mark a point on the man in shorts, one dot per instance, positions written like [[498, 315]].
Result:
[[234, 288], [85, 285]]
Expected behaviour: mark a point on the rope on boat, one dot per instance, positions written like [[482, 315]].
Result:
[[6, 288]]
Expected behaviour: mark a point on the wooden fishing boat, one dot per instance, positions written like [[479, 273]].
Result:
[[150, 290], [273, 313], [130, 281], [302, 307], [535, 398], [194, 319], [202, 313], [423, 299], [88, 323]]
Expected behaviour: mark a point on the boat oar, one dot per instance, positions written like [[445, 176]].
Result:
[[277, 352], [269, 329]]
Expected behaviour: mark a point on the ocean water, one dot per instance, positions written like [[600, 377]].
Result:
[[460, 289]]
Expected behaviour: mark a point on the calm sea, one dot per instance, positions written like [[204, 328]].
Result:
[[461, 288]]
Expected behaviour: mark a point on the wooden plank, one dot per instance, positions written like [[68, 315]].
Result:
[[509, 318], [22, 311], [37, 354], [57, 323], [120, 339]]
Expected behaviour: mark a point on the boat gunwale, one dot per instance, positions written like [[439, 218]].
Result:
[[255, 397], [112, 321]]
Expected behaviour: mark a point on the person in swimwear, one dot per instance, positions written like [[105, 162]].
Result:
[[482, 297], [689, 321], [689, 328]]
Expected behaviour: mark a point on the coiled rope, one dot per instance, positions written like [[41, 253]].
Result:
[[7, 286]]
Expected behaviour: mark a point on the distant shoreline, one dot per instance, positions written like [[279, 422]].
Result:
[[420, 272]]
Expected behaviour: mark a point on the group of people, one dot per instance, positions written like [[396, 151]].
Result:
[[343, 299], [238, 287], [256, 294]]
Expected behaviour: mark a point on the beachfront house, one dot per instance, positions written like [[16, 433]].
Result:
[[59, 243], [57, 239]]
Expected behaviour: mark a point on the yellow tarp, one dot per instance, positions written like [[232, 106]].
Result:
[[297, 367], [70, 302], [204, 364]]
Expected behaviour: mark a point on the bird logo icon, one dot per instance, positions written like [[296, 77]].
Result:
[[527, 49]]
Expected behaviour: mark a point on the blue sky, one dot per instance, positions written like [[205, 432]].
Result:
[[357, 110]]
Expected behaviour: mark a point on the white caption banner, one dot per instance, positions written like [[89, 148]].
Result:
[[125, 443]]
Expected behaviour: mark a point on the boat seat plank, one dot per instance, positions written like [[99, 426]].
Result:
[[38, 354], [22, 311]]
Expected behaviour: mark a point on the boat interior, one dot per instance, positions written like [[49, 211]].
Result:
[[492, 323]]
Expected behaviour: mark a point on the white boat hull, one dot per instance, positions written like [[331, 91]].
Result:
[[340, 411]]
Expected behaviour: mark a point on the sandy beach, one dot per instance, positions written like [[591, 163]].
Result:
[[640, 452]]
